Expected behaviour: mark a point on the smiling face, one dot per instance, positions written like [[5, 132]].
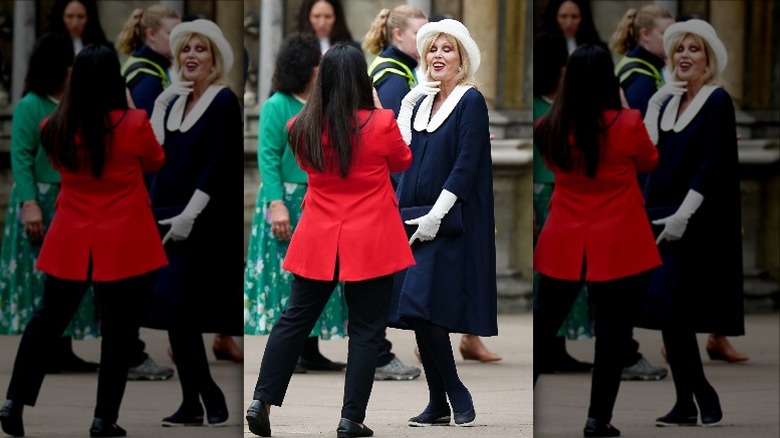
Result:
[[690, 60], [75, 18], [443, 60], [322, 17], [196, 59], [569, 19]]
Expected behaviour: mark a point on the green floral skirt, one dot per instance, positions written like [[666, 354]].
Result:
[[267, 285], [579, 322], [21, 285]]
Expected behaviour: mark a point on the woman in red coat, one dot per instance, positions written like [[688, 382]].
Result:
[[597, 230], [350, 231], [103, 232]]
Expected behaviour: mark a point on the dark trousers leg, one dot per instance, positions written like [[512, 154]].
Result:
[[60, 300], [368, 302], [553, 301], [122, 305], [437, 389], [193, 367], [435, 341], [617, 305], [682, 348], [307, 299], [385, 353]]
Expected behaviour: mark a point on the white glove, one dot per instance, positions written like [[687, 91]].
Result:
[[674, 88], [407, 106], [674, 225], [181, 225], [161, 104], [428, 225]]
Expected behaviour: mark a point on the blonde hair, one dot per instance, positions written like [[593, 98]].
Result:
[[381, 33], [464, 76], [626, 37], [133, 34], [217, 74], [711, 74]]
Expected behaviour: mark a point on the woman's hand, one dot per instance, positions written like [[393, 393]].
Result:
[[280, 220], [32, 218]]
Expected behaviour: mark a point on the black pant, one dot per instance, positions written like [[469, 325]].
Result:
[[682, 349], [368, 302], [122, 303], [617, 304]]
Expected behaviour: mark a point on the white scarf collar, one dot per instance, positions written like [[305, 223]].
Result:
[[423, 120], [176, 119], [668, 121]]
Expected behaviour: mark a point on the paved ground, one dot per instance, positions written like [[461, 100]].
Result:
[[502, 391], [749, 392]]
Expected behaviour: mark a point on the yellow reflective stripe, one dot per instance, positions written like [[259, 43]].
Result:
[[407, 72], [155, 71]]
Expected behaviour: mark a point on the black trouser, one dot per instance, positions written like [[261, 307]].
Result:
[[122, 304], [368, 302], [385, 355], [682, 349], [441, 373], [617, 304]]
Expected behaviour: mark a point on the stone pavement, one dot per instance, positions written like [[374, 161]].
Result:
[[66, 401], [502, 390], [749, 391]]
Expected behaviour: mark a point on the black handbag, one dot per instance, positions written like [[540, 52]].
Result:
[[451, 224]]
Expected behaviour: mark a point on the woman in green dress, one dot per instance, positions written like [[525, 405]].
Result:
[[278, 208], [31, 206]]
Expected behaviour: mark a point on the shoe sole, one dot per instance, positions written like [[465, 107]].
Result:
[[435, 423], [255, 426], [469, 424], [662, 424], [172, 424]]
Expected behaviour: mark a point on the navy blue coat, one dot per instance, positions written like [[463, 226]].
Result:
[[453, 283], [700, 281], [202, 283], [144, 87], [391, 87], [639, 88]]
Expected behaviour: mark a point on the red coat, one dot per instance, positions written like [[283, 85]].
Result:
[[601, 222], [356, 217], [108, 219]]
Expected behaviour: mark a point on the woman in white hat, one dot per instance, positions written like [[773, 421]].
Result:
[[452, 288], [198, 122], [693, 199]]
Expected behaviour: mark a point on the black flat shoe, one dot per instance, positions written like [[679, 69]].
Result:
[[11, 418], [596, 428], [325, 365], [465, 419], [257, 418], [101, 428], [439, 417], [709, 407], [216, 408], [350, 429], [189, 417], [679, 416]]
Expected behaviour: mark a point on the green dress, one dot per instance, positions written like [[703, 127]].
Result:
[[579, 322], [266, 284], [21, 285]]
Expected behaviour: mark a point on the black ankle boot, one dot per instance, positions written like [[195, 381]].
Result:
[[11, 418]]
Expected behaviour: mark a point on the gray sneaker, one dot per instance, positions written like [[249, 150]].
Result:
[[149, 370], [644, 370], [396, 370]]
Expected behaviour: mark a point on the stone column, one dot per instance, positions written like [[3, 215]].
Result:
[[176, 5], [423, 5], [271, 35], [476, 14], [24, 40], [725, 16], [230, 18]]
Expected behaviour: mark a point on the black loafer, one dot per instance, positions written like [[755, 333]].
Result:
[[465, 419], [257, 418], [709, 406], [596, 428], [326, 365], [350, 429], [11, 418], [102, 428], [440, 417], [678, 417], [216, 410]]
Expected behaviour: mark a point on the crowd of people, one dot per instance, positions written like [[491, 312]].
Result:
[[375, 209]]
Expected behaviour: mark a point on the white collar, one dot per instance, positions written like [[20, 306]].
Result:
[[421, 120], [176, 119], [668, 122]]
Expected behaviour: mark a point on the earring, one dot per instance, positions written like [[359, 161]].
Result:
[[460, 69]]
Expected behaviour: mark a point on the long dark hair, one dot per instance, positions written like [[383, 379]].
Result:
[[49, 63], [341, 89], [93, 32], [340, 32], [586, 33], [77, 134], [576, 120]]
